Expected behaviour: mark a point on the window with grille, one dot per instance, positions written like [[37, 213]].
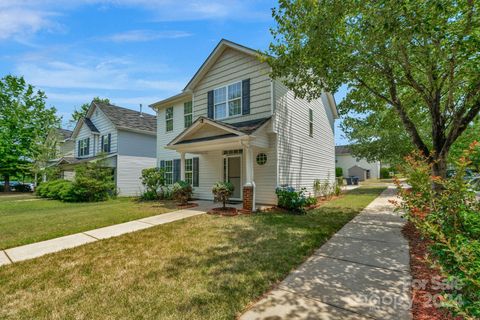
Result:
[[169, 119]]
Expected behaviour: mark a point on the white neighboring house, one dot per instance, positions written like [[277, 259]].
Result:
[[233, 122], [124, 139], [353, 166]]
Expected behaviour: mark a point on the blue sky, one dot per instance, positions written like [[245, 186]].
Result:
[[130, 51]]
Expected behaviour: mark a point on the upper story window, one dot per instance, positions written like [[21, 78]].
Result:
[[169, 119], [310, 122], [227, 101], [105, 145], [188, 113], [84, 147]]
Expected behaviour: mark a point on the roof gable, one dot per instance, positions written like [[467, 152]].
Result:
[[213, 57]]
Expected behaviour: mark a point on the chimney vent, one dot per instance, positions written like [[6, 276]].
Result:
[[141, 113]]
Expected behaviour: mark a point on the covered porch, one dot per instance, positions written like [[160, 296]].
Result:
[[226, 152]]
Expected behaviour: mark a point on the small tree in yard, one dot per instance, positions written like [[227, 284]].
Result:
[[25, 122], [411, 66], [152, 179], [222, 191], [182, 192]]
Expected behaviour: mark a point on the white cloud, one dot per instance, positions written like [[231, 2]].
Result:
[[105, 74], [145, 35], [17, 22]]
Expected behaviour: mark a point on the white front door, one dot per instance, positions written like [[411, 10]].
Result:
[[233, 172]]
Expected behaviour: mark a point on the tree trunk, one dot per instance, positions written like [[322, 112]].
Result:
[[6, 187], [439, 167]]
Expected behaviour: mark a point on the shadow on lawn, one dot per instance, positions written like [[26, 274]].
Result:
[[253, 253]]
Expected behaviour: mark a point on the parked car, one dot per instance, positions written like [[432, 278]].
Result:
[[469, 174], [17, 186]]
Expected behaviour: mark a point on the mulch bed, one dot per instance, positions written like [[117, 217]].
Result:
[[186, 206], [228, 211], [423, 272]]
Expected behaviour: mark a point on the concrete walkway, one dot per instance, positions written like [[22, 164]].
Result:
[[38, 249], [362, 272]]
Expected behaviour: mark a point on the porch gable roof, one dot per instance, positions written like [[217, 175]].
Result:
[[230, 130]]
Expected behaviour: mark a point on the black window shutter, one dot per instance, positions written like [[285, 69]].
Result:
[[210, 104], [176, 170], [78, 153], [246, 96], [102, 144], [162, 164], [88, 145], [109, 142], [195, 172]]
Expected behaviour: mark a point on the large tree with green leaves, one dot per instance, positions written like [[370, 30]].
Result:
[[81, 111], [417, 61], [25, 122]]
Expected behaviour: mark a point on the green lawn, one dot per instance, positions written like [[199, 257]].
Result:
[[25, 219], [204, 267]]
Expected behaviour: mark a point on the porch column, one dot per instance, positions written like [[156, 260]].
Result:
[[182, 166], [249, 187]]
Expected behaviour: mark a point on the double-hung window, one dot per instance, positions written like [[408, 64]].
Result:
[[83, 147], [169, 119], [188, 114], [227, 101], [310, 122], [168, 172], [106, 142], [189, 171]]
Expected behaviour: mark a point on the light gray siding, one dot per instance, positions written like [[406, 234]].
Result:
[[233, 66], [129, 171], [301, 158], [136, 144], [103, 124]]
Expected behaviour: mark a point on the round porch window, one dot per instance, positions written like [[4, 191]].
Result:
[[261, 159]]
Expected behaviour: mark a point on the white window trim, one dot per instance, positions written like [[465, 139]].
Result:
[[167, 119], [187, 114], [189, 171], [168, 172], [227, 100], [310, 122], [83, 145]]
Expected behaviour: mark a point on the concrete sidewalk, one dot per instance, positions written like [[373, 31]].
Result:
[[38, 249], [362, 272]]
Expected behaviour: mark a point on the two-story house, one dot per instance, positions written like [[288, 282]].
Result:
[[233, 122], [122, 139]]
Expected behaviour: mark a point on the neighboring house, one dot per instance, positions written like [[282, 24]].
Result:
[[233, 122], [353, 166], [122, 139]]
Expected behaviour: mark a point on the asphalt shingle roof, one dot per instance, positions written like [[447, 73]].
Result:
[[129, 119], [90, 125], [64, 133], [342, 150]]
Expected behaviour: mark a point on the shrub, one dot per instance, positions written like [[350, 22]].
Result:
[[222, 191], [56, 189], [152, 179], [182, 192], [149, 195], [165, 193], [292, 200], [323, 188], [310, 201], [339, 181], [93, 183], [385, 173], [449, 217], [338, 172]]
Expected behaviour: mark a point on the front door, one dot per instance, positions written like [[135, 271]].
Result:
[[234, 175]]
